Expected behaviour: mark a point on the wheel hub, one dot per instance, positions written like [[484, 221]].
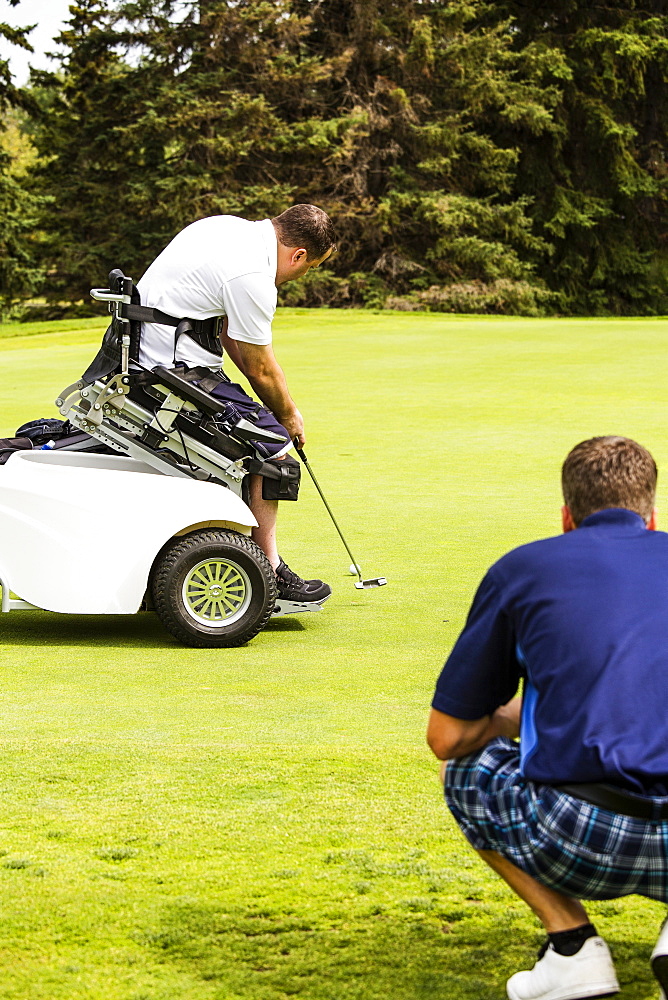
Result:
[[216, 592]]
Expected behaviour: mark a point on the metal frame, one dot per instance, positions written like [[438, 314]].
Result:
[[105, 411], [12, 603]]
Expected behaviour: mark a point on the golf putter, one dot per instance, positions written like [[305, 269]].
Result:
[[361, 584]]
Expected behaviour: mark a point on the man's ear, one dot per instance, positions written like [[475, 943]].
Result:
[[298, 256], [651, 524], [567, 522]]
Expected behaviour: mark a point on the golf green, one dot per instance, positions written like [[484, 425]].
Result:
[[266, 822]]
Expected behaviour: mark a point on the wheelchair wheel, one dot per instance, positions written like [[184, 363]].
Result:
[[213, 588]]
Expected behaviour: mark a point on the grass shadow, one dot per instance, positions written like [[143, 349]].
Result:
[[268, 954], [284, 625], [45, 628]]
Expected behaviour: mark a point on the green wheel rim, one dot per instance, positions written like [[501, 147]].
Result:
[[216, 592]]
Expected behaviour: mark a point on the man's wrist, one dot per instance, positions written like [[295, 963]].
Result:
[[286, 416]]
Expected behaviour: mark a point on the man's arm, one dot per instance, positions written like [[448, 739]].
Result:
[[449, 737], [258, 363], [474, 700]]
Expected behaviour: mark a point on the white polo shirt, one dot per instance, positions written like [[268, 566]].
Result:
[[220, 266]]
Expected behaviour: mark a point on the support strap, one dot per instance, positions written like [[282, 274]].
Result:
[[205, 332], [145, 314]]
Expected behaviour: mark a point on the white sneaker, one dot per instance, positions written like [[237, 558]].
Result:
[[660, 960], [589, 973]]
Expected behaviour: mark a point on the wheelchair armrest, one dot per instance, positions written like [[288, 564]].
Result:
[[248, 431]]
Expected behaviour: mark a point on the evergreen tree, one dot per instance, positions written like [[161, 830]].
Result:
[[19, 274], [375, 109], [599, 181], [424, 175], [94, 165], [469, 151]]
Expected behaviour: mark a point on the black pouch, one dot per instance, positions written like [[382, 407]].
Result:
[[44, 429], [9, 445], [284, 486]]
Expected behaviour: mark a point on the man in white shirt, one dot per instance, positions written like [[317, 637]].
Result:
[[225, 266]]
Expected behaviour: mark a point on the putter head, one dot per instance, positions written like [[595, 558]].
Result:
[[378, 581]]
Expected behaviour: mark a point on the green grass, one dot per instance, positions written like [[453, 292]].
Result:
[[262, 823]]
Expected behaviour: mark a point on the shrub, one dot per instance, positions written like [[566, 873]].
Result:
[[502, 297]]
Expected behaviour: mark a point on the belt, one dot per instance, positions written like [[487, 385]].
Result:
[[617, 800]]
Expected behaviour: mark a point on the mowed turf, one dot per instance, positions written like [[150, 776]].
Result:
[[266, 822]]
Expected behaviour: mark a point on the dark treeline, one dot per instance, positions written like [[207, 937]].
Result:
[[475, 156]]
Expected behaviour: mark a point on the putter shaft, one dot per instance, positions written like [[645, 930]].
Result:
[[301, 454]]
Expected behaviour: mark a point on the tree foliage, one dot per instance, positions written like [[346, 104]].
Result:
[[599, 180], [20, 274], [94, 168], [485, 155]]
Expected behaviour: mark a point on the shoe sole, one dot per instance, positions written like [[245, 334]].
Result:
[[660, 970], [561, 995], [303, 600]]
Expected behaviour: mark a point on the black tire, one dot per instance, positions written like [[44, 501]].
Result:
[[213, 588]]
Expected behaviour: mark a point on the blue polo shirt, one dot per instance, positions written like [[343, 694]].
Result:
[[583, 619]]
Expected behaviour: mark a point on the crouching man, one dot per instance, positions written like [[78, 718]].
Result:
[[578, 809]]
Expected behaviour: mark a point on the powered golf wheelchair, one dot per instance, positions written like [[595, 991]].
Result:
[[146, 504]]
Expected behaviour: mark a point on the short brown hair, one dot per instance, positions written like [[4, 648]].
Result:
[[605, 472], [306, 226]]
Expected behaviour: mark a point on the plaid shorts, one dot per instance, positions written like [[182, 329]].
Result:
[[576, 848]]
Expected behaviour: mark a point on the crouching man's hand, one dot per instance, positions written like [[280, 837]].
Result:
[[450, 737], [506, 719]]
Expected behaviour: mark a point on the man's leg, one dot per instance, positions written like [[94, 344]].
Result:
[[266, 515], [555, 911], [291, 587], [575, 962], [265, 511]]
